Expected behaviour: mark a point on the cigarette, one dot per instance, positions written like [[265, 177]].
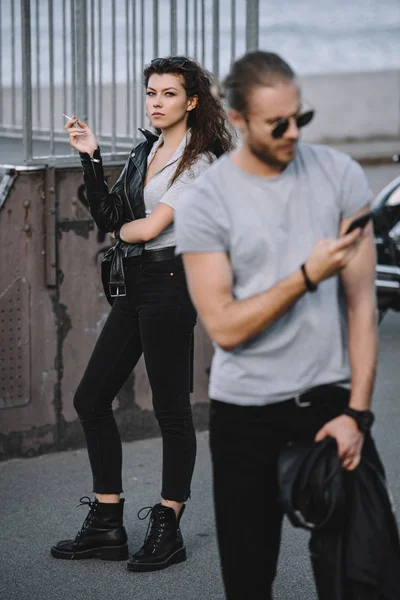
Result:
[[69, 118]]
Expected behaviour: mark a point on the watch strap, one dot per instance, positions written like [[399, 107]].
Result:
[[363, 418]]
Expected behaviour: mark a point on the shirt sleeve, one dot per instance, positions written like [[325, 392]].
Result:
[[174, 192], [355, 191], [200, 224]]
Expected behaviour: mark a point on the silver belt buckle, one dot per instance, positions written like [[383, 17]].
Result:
[[300, 403], [117, 290]]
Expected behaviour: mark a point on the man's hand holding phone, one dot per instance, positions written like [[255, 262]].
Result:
[[360, 222], [81, 137], [330, 256]]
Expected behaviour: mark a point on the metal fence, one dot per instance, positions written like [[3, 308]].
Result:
[[86, 57]]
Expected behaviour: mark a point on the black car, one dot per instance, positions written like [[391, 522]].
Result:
[[386, 209]]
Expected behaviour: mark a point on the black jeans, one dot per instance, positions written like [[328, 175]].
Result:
[[156, 317], [245, 443]]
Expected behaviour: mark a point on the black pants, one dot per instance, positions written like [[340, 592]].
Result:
[[245, 443], [156, 317]]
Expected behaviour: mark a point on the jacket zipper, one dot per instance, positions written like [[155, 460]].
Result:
[[141, 175], [126, 194]]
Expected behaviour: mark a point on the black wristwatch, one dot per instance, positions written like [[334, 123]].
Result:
[[364, 418]]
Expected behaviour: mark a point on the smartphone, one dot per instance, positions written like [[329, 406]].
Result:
[[360, 222]]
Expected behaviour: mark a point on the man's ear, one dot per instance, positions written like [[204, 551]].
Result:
[[193, 102], [238, 120]]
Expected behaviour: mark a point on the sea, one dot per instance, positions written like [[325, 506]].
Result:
[[314, 36]]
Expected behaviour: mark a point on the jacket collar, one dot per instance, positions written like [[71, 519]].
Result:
[[150, 137]]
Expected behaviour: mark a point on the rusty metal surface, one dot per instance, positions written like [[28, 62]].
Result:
[[26, 421], [54, 309], [49, 234], [80, 249]]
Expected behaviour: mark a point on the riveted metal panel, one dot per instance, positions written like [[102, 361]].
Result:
[[15, 349]]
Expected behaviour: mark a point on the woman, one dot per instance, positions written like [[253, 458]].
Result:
[[151, 313]]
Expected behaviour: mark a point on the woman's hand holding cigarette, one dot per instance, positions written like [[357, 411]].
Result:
[[81, 136]]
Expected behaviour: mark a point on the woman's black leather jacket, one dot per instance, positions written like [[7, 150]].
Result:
[[110, 209]]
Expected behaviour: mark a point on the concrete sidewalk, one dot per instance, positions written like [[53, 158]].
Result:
[[39, 495], [369, 152]]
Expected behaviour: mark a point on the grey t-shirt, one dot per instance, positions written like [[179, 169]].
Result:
[[159, 189], [268, 227]]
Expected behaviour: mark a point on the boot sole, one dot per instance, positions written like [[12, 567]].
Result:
[[177, 557], [105, 553]]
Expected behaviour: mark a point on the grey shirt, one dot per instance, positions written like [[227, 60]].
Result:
[[268, 227], [158, 188]]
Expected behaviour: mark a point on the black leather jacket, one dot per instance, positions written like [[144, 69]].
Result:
[[110, 209], [355, 537]]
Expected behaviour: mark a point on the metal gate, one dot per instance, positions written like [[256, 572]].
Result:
[[86, 57]]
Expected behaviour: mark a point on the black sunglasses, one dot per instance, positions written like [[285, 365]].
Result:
[[173, 62], [281, 126]]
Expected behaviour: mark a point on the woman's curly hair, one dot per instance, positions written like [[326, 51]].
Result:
[[210, 131]]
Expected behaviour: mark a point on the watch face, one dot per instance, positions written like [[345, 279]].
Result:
[[366, 420], [363, 418]]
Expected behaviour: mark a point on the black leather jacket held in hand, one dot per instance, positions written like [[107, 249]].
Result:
[[110, 209], [355, 548]]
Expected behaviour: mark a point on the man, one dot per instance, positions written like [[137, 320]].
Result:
[[288, 300]]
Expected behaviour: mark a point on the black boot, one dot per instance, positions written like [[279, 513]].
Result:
[[102, 534], [163, 545]]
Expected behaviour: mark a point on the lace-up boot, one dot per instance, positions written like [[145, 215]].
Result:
[[102, 534], [163, 545]]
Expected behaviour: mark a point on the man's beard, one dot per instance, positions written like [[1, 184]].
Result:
[[262, 153]]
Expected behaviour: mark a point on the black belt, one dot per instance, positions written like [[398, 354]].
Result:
[[314, 394], [148, 256], [158, 255], [116, 283]]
